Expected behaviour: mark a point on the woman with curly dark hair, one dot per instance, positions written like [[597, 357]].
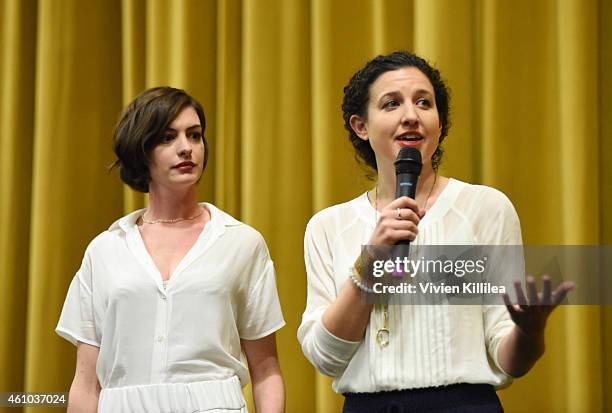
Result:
[[409, 358], [169, 297]]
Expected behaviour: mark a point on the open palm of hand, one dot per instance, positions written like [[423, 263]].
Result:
[[532, 311]]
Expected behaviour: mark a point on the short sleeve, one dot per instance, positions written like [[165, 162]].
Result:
[[260, 312], [77, 321]]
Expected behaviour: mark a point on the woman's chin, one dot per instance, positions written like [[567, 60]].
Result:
[[176, 184]]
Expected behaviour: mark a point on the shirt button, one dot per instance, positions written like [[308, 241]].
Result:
[[163, 297], [160, 338]]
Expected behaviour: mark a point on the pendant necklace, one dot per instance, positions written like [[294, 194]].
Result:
[[383, 334]]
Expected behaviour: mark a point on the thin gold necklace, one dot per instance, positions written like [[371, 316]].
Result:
[[383, 334], [173, 220]]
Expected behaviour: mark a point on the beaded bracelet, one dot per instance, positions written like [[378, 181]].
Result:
[[360, 284]]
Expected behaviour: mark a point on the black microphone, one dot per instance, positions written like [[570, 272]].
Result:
[[407, 170]]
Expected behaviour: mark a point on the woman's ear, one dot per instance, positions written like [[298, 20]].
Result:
[[359, 126]]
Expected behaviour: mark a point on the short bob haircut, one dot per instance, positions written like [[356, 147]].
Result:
[[141, 127], [357, 95]]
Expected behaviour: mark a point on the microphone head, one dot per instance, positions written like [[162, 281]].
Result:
[[408, 161]]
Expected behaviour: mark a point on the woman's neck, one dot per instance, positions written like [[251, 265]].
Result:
[[165, 203], [384, 192]]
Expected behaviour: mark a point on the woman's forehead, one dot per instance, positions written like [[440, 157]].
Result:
[[405, 78], [186, 118]]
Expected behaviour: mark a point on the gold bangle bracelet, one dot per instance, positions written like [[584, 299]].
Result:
[[363, 264]]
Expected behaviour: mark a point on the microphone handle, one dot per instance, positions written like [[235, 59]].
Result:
[[406, 184]]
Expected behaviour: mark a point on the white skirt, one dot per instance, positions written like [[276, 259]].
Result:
[[214, 396]]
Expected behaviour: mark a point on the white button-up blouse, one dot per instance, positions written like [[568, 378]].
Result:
[[186, 331]]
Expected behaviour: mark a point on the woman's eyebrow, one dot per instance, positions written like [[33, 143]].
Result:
[[388, 94], [423, 92], [391, 93], [197, 126]]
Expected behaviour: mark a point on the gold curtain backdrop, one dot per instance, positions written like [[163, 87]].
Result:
[[531, 111]]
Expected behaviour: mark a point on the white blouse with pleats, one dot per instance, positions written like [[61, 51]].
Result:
[[430, 345]]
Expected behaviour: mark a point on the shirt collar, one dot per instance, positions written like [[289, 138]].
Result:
[[218, 219]]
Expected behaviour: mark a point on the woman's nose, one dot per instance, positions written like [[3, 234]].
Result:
[[183, 146], [410, 116], [184, 152]]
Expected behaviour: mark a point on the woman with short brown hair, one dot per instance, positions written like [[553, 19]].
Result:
[[169, 297]]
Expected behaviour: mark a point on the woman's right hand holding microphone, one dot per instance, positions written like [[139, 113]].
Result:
[[398, 221]]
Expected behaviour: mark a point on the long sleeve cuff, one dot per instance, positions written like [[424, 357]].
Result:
[[495, 344], [331, 354]]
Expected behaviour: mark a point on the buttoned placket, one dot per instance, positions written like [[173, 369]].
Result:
[[163, 308], [160, 345], [164, 302]]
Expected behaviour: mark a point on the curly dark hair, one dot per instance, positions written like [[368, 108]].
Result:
[[357, 95], [141, 127]]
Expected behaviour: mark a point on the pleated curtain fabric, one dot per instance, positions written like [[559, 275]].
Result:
[[531, 113]]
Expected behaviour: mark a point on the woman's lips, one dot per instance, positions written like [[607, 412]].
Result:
[[409, 142], [184, 166]]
